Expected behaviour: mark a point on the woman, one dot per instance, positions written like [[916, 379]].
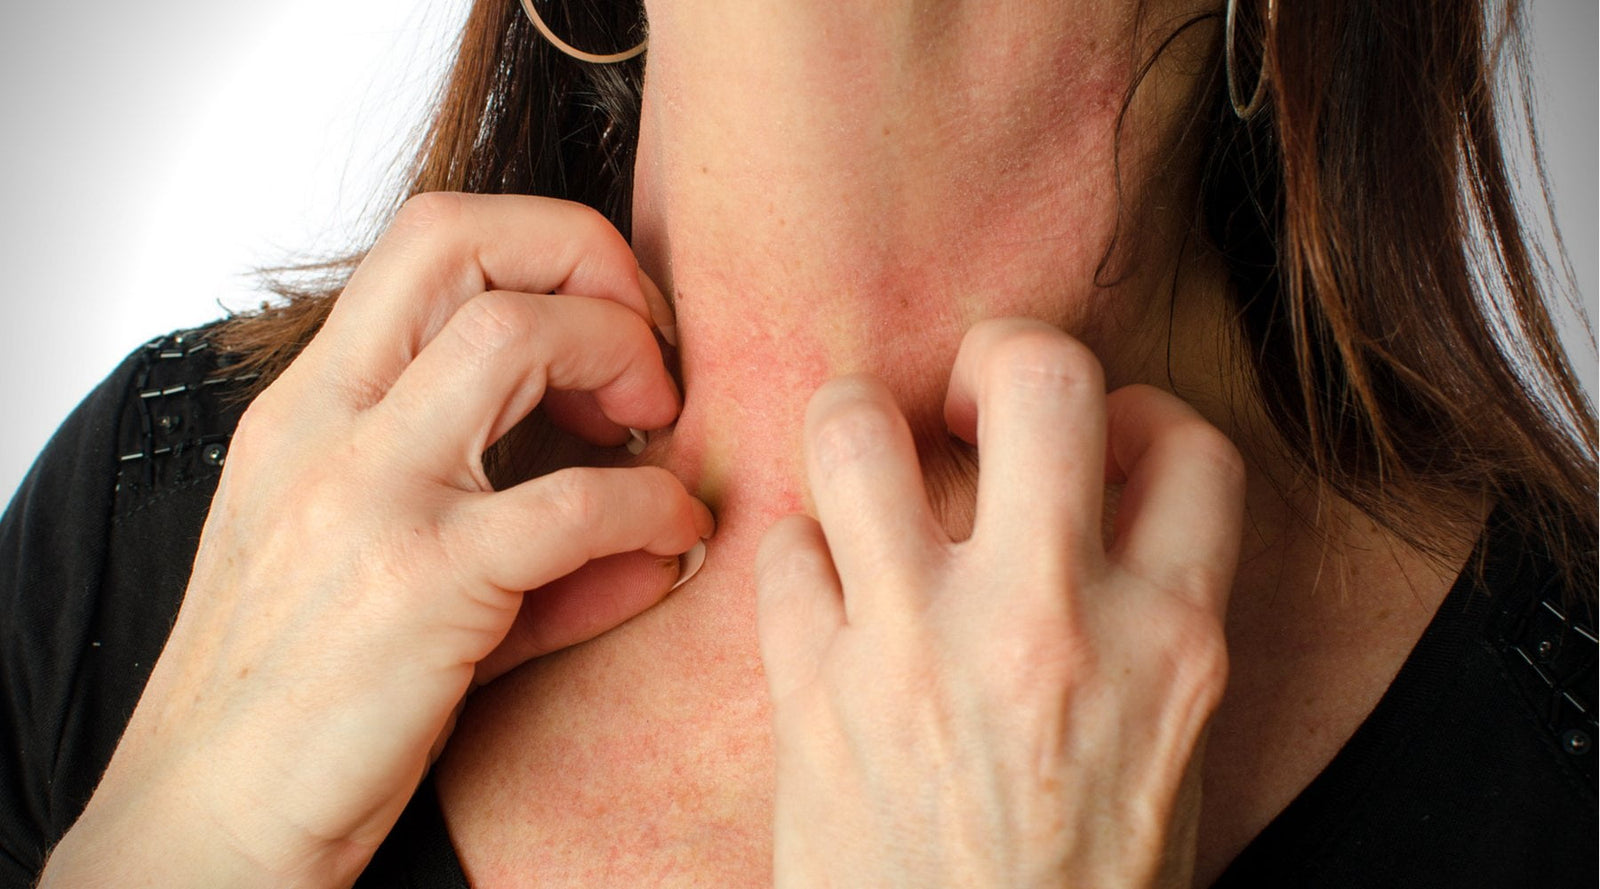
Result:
[[899, 241]]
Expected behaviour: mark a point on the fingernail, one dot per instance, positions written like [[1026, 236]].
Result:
[[705, 519], [636, 441], [689, 563], [660, 311]]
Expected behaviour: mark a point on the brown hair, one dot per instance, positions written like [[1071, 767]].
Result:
[[1390, 305]]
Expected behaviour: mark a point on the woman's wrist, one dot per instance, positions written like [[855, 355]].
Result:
[[160, 833]]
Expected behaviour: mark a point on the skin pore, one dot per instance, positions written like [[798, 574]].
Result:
[[826, 189]]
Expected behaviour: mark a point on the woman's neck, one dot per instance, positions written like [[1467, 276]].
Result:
[[827, 189]]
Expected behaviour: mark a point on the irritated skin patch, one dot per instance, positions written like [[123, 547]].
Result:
[[822, 189]]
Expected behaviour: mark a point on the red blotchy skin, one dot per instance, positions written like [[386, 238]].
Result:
[[667, 752], [815, 205]]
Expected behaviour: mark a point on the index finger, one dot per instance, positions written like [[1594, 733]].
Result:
[[444, 249]]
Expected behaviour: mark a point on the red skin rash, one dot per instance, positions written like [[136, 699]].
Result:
[[863, 226]]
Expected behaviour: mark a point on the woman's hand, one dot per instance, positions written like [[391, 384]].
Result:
[[1022, 708], [357, 574]]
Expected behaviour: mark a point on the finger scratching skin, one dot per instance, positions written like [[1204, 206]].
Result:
[[444, 249], [477, 234]]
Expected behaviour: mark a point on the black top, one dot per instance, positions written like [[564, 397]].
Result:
[[1477, 768]]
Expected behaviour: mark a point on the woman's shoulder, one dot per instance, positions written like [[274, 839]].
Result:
[[157, 426], [180, 402], [95, 552]]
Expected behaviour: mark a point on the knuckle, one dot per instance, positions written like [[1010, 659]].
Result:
[[1195, 654], [429, 210], [657, 485], [661, 492], [573, 497], [255, 424], [625, 324], [493, 321], [264, 434], [590, 224], [849, 427], [635, 343], [1209, 448], [1043, 359], [666, 491]]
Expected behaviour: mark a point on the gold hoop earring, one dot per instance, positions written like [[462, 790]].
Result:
[[569, 49], [1244, 110]]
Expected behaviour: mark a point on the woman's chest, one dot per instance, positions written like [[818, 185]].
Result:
[[645, 757], [641, 758]]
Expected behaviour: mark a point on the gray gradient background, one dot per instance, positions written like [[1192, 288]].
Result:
[[154, 152]]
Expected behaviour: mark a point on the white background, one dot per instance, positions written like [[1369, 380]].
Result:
[[154, 152]]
